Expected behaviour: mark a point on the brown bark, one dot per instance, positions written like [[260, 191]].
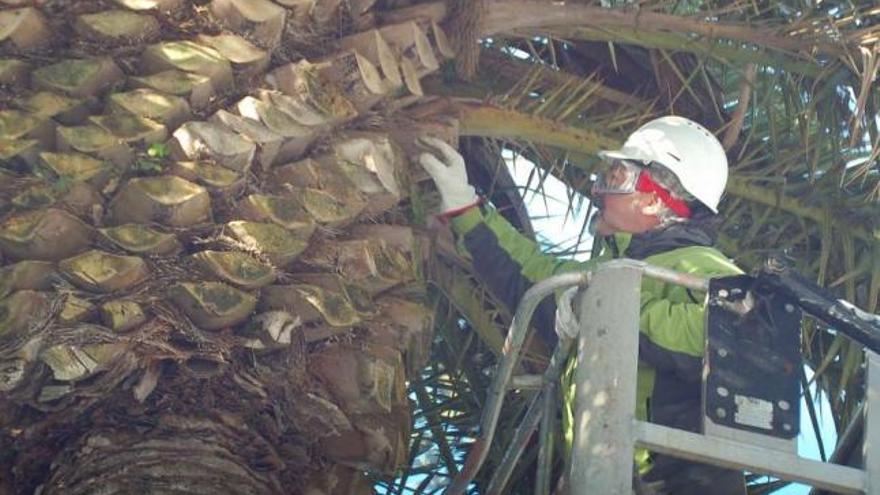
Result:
[[506, 16], [742, 107]]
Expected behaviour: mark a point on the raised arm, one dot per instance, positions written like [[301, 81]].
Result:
[[505, 260]]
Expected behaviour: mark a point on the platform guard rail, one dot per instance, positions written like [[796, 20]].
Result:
[[605, 429]]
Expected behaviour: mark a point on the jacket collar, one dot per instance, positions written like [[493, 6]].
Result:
[[700, 230]]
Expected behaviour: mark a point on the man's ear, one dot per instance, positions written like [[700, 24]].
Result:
[[652, 204]]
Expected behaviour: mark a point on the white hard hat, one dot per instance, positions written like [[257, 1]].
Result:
[[684, 147]]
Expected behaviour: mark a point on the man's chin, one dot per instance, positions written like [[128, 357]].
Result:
[[598, 225]]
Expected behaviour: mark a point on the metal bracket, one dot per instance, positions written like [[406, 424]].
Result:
[[751, 377]]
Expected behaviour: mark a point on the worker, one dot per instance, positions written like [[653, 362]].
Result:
[[657, 201]]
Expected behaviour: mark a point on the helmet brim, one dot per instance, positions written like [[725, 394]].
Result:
[[623, 154]]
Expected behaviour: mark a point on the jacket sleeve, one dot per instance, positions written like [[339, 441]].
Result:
[[672, 320], [674, 326], [510, 263]]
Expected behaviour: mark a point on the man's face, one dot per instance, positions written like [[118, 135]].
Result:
[[634, 212]]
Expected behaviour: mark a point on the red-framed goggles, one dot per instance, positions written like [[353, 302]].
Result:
[[625, 176]]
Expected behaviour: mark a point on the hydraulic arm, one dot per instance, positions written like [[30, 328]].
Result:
[[861, 326]]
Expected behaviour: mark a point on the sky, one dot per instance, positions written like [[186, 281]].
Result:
[[557, 226]]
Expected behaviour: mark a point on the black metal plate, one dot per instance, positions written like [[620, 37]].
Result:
[[752, 380]]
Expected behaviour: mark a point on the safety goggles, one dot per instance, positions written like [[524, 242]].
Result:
[[620, 178], [625, 176]]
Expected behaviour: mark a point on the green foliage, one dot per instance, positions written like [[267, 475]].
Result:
[[158, 150], [153, 161]]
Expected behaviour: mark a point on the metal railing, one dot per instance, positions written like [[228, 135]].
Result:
[[510, 356], [606, 430]]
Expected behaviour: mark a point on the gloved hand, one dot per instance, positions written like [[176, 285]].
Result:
[[446, 166], [567, 324]]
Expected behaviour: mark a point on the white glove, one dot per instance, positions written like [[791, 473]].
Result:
[[567, 324], [446, 166]]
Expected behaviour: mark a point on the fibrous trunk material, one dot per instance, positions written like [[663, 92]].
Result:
[[208, 283]]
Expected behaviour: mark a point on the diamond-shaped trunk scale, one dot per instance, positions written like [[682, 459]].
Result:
[[49, 235], [168, 200], [169, 110], [278, 245], [26, 275], [213, 305], [99, 271], [118, 26], [197, 140], [122, 315], [188, 57], [281, 210], [19, 310], [95, 141], [236, 268], [131, 128], [196, 88], [69, 363], [140, 239], [78, 77], [77, 167]]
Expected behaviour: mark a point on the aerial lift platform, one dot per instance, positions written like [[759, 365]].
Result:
[[751, 382]]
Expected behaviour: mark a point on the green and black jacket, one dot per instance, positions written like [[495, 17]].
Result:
[[672, 334]]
